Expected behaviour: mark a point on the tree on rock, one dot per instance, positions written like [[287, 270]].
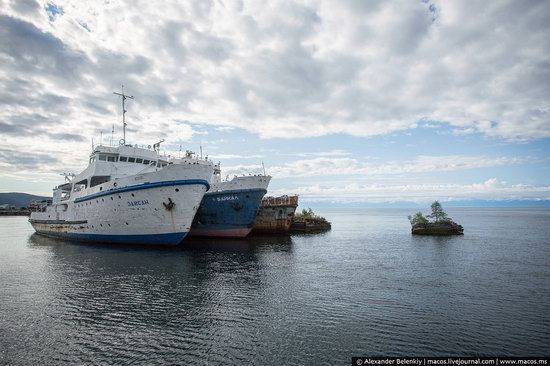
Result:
[[418, 218], [440, 224], [438, 214]]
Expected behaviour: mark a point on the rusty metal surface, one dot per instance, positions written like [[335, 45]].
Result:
[[274, 219], [280, 201]]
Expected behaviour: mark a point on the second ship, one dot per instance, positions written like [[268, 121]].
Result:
[[230, 207]]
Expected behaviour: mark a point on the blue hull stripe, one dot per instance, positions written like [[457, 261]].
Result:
[[58, 222], [144, 186], [150, 239]]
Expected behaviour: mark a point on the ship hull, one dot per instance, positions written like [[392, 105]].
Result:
[[228, 213], [274, 220], [157, 211]]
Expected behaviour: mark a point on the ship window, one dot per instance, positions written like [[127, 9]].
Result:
[[146, 161], [131, 160], [139, 161], [111, 158], [102, 157], [99, 179], [123, 159], [78, 186]]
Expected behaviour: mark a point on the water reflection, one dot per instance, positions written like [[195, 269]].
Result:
[[194, 295], [250, 243]]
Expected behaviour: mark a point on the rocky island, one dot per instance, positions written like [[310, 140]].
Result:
[[307, 221], [440, 224]]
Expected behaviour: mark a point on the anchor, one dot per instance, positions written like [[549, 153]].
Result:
[[170, 205], [236, 206]]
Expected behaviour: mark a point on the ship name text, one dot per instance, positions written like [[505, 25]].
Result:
[[226, 198], [138, 203]]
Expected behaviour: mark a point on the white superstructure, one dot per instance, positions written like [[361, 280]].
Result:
[[217, 184], [256, 181]]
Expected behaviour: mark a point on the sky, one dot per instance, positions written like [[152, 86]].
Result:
[[345, 101]]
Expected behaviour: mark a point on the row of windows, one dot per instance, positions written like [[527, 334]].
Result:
[[107, 158], [125, 159]]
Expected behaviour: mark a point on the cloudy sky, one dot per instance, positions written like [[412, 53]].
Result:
[[343, 101]]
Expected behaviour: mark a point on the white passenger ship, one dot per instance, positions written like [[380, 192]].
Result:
[[126, 195]]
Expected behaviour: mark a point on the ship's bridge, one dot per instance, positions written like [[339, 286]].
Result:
[[127, 154], [108, 162]]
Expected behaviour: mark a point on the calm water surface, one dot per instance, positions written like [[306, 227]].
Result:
[[365, 288]]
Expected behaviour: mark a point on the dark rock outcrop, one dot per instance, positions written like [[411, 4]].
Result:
[[438, 228], [309, 224]]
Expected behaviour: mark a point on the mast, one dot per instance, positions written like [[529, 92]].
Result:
[[124, 96]]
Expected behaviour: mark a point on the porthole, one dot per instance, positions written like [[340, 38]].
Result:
[[126, 223], [119, 196], [177, 189], [111, 198], [133, 195]]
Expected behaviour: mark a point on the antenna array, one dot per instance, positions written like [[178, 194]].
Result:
[[124, 97]]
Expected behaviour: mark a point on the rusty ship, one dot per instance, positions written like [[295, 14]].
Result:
[[275, 214]]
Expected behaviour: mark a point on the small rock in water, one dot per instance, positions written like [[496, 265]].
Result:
[[438, 228]]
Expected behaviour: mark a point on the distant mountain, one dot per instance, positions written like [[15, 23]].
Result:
[[19, 199], [406, 204]]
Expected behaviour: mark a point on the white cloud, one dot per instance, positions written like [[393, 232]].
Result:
[[235, 156], [424, 164], [276, 68], [224, 128], [326, 166], [491, 189], [285, 69], [330, 153]]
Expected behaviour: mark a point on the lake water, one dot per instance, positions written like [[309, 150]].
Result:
[[365, 288]]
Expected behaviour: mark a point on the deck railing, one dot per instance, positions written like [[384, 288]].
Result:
[[280, 201]]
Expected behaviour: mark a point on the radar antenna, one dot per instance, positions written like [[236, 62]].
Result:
[[68, 176], [124, 97], [156, 146]]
